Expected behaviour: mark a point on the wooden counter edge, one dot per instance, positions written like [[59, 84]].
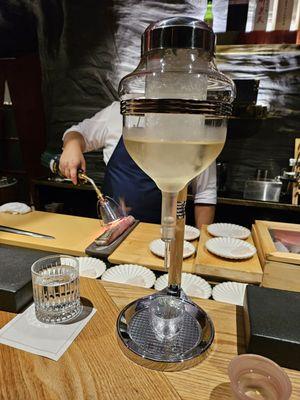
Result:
[[228, 274], [38, 246]]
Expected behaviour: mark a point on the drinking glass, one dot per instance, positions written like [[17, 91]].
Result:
[[109, 211], [55, 283], [166, 316], [256, 377]]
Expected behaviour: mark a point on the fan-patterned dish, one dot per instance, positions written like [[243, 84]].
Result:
[[191, 233], [91, 267], [228, 230], [231, 248], [192, 285], [230, 292], [130, 274], [158, 248]]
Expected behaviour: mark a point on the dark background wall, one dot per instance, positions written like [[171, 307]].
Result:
[[85, 47], [263, 143], [100, 44]]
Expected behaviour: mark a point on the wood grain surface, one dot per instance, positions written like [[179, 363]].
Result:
[[208, 264], [94, 367], [72, 234], [135, 249], [176, 246], [296, 168], [208, 380]]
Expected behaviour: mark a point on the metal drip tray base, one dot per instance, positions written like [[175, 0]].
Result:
[[140, 344], [171, 350]]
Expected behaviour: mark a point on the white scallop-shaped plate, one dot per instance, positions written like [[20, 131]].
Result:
[[192, 285], [228, 230], [130, 274], [230, 292], [191, 233], [15, 208], [230, 248], [91, 267], [158, 248]]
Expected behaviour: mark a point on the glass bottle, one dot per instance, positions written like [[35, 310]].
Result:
[[208, 17]]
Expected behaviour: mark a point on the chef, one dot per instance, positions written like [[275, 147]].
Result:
[[123, 178]]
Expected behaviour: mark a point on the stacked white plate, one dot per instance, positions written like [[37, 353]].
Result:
[[192, 285], [158, 248], [231, 248], [230, 292], [228, 230], [91, 267], [191, 233], [130, 274]]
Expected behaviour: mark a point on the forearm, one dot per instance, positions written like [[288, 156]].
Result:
[[74, 139], [204, 214]]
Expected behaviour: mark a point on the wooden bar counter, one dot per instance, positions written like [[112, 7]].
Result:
[[95, 368], [135, 250], [72, 235]]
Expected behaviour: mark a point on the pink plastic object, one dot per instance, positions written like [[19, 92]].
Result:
[[258, 378]]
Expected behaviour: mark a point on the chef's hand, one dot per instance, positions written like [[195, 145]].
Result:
[[72, 158]]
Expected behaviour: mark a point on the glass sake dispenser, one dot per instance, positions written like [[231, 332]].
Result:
[[175, 106]]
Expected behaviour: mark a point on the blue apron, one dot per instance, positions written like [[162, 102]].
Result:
[[125, 180]]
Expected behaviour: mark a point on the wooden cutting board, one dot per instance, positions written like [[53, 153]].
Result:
[[135, 249], [296, 185], [207, 264], [72, 234]]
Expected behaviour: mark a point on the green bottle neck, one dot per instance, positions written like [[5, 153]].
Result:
[[208, 17]]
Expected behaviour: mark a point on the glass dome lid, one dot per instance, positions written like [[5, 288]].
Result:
[[178, 33], [177, 62]]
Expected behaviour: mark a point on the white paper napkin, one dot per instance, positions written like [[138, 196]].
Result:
[[26, 333]]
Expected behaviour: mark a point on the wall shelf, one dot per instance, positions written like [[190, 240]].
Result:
[[265, 49], [257, 203], [269, 40]]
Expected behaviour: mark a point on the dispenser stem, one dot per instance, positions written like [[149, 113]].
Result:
[[176, 254], [168, 215]]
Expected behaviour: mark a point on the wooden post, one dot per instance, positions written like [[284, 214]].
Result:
[[296, 185], [176, 254]]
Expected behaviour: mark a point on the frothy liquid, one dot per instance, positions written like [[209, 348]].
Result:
[[172, 164]]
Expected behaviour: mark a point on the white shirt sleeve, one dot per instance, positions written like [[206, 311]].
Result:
[[103, 130], [204, 186]]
